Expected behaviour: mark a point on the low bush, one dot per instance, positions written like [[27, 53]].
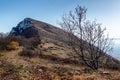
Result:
[[28, 53], [112, 64], [13, 45], [1, 55], [7, 42]]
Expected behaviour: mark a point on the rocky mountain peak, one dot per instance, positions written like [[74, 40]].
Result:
[[31, 28], [24, 28], [26, 23]]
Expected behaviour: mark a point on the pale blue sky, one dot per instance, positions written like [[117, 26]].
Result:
[[106, 12]]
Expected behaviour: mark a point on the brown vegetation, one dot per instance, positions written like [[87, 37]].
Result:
[[9, 42], [13, 45]]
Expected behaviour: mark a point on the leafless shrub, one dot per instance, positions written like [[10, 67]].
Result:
[[27, 53], [6, 40], [87, 39]]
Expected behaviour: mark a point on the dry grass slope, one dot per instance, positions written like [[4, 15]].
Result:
[[55, 63]]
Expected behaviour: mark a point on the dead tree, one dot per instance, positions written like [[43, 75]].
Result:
[[88, 39]]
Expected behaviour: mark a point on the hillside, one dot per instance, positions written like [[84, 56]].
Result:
[[33, 28], [49, 67], [52, 59]]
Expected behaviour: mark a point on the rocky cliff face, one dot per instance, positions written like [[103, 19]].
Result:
[[25, 28], [26, 23]]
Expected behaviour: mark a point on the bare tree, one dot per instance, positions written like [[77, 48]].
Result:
[[87, 39]]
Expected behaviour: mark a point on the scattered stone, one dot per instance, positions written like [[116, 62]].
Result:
[[105, 73], [40, 70]]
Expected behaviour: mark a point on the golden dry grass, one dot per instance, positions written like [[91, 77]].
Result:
[[47, 67]]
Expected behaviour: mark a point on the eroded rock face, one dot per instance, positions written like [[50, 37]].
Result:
[[25, 28]]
